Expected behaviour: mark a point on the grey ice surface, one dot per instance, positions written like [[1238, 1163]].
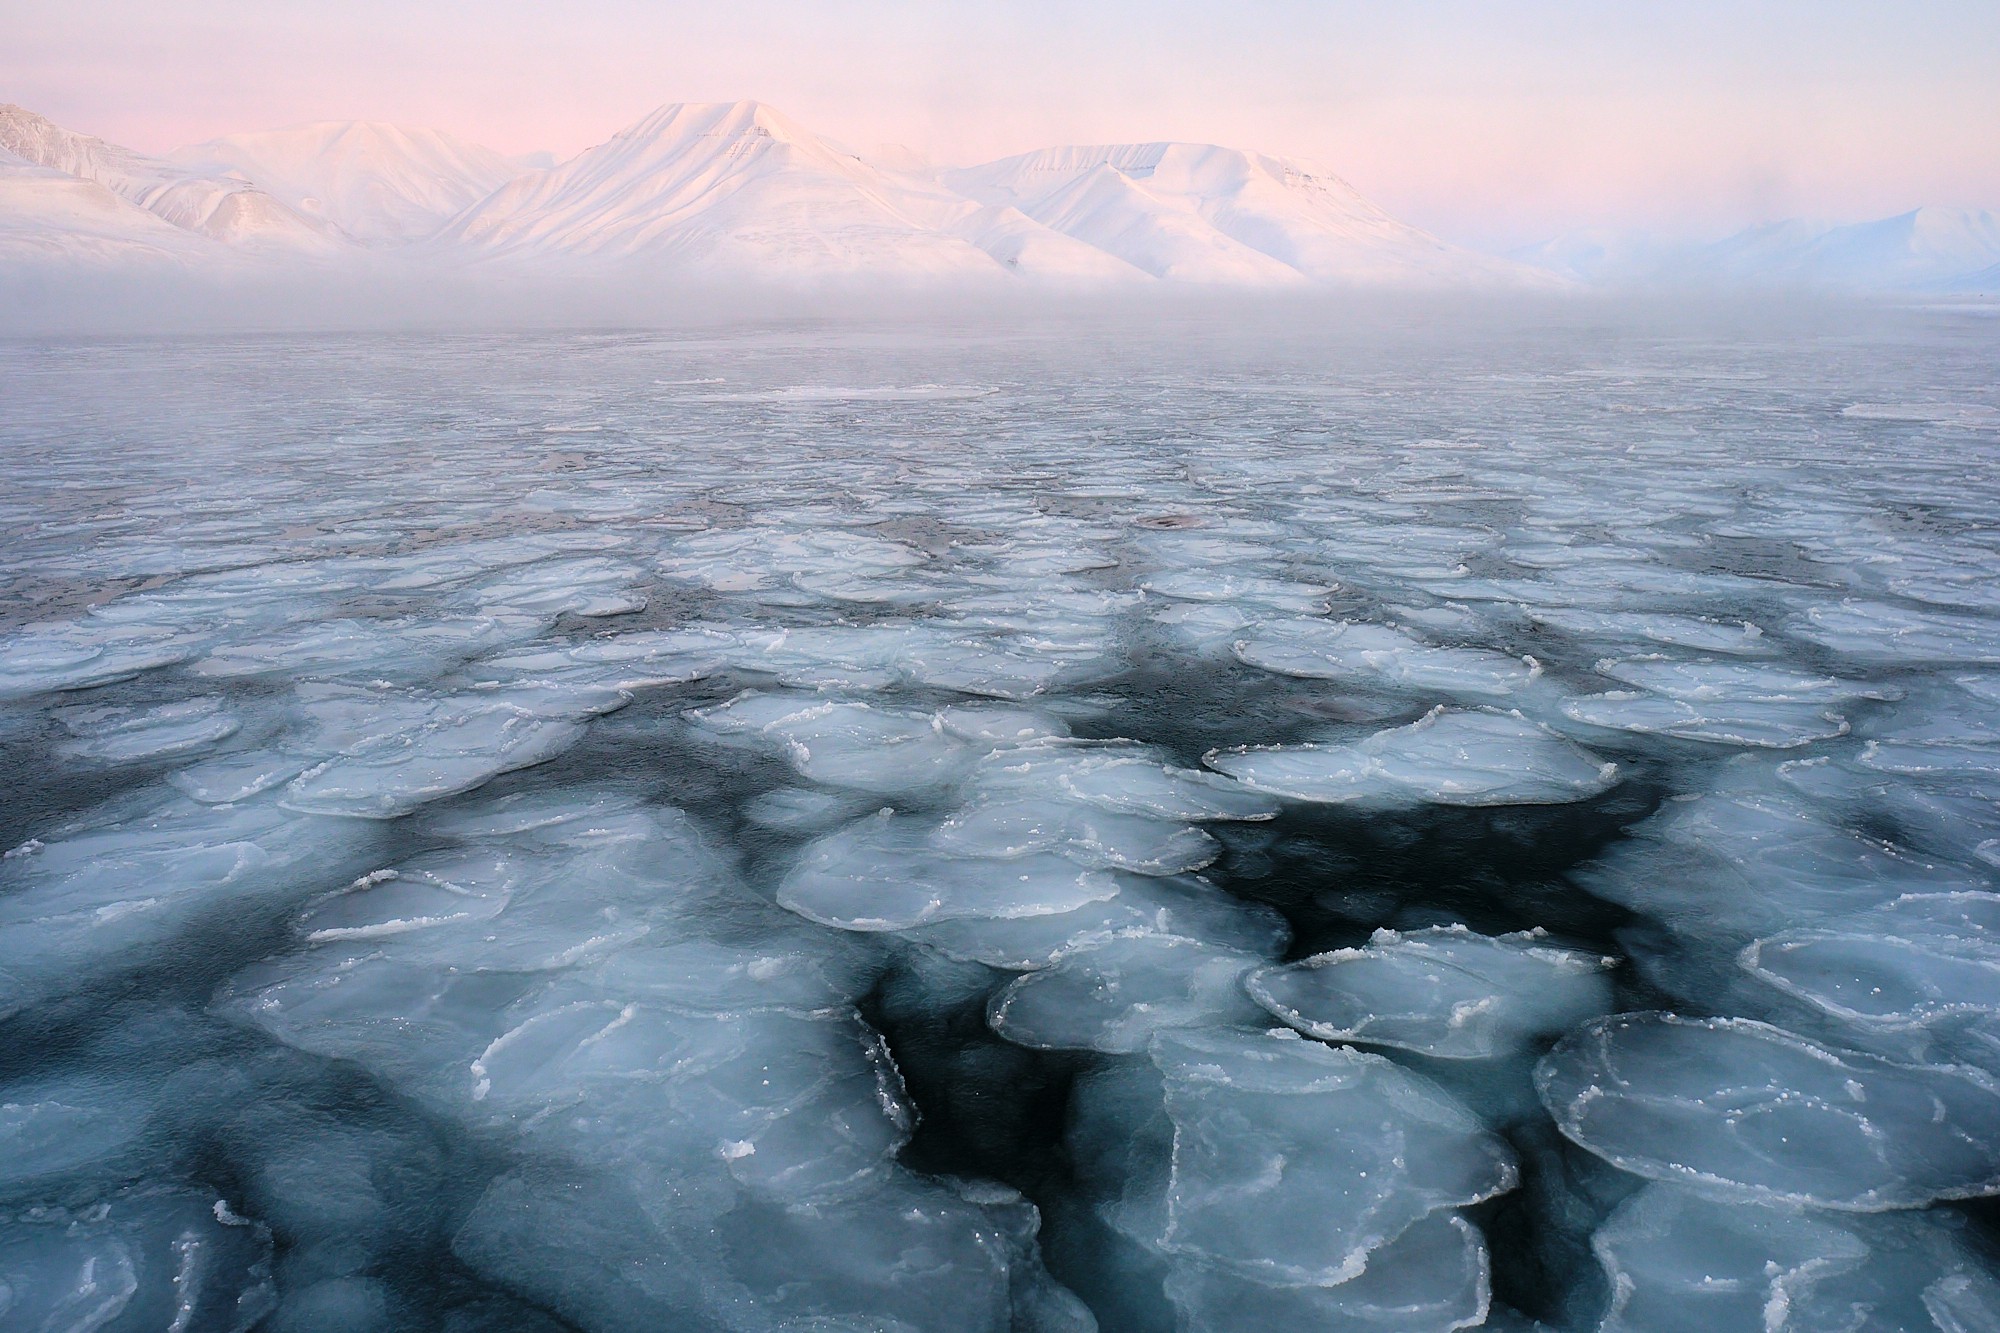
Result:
[[1414, 821]]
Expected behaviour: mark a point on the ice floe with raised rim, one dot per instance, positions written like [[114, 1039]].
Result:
[[1677, 1262], [1112, 993], [1741, 1109], [1878, 632], [1745, 859], [889, 872], [1351, 650], [1911, 962], [1178, 905], [1747, 723], [1677, 631], [1444, 991], [1447, 757], [51, 658], [393, 752], [1294, 1163], [112, 891], [1434, 1277], [125, 735]]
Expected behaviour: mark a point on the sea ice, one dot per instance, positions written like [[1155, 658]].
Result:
[[1743, 1109], [1113, 993], [151, 1258], [127, 735], [1754, 723], [1293, 1163], [1678, 1261], [1442, 992], [1447, 758], [891, 872], [1912, 961], [1347, 650]]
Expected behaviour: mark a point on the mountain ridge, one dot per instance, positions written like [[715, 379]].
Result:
[[734, 190]]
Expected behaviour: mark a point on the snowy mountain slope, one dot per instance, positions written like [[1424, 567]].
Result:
[[1927, 249], [1030, 249], [1204, 213], [729, 187], [1986, 282], [1922, 248], [379, 184], [1108, 209], [1596, 255], [49, 217], [221, 207], [722, 190]]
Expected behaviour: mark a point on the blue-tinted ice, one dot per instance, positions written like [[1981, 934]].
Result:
[[1180, 829]]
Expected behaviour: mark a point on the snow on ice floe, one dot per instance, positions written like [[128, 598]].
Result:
[[1449, 757], [1742, 1109], [1443, 992]]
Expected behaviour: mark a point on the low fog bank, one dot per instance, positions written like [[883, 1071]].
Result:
[[391, 297]]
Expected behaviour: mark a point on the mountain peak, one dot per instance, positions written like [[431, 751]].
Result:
[[378, 183], [724, 120]]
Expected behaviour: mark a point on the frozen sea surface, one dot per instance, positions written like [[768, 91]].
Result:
[[1407, 823]]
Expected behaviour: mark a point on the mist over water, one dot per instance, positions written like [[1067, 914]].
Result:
[[1382, 815]]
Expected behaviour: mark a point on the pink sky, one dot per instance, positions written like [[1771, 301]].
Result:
[[1490, 123]]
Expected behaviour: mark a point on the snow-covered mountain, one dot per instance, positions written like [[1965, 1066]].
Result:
[[378, 184], [734, 190], [220, 206], [740, 188], [1927, 250], [1201, 213], [51, 218]]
